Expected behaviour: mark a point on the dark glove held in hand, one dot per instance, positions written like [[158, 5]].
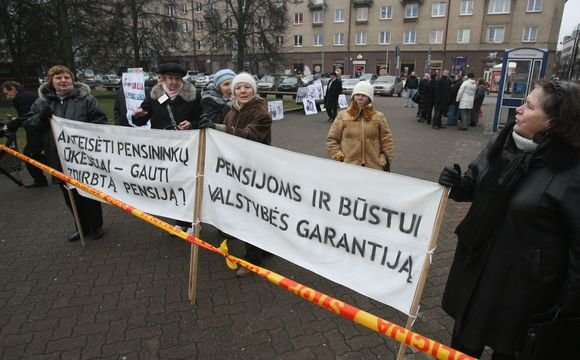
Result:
[[45, 115], [451, 176], [205, 122], [13, 125]]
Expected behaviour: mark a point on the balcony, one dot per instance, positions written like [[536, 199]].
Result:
[[316, 5], [361, 3], [405, 2]]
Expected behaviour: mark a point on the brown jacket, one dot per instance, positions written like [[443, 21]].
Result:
[[252, 122], [360, 137]]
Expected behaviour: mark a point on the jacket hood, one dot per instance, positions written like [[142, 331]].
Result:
[[187, 92], [45, 91]]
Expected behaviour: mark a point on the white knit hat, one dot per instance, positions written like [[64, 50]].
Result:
[[365, 88], [244, 78]]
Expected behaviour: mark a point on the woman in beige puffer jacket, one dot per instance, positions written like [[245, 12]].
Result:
[[360, 135]]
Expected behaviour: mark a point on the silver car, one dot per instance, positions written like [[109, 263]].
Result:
[[348, 85], [388, 85]]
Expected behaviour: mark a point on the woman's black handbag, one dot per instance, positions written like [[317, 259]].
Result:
[[416, 98], [550, 336]]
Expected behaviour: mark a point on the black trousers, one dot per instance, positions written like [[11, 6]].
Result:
[[90, 211], [34, 150], [332, 108]]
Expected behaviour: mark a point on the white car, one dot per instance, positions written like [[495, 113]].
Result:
[[203, 81], [348, 85]]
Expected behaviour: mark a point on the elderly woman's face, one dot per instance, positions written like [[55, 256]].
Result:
[[173, 82], [62, 83], [226, 88], [530, 117], [243, 93]]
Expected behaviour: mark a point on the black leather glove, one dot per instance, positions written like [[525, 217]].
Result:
[[45, 115], [13, 125], [205, 122], [451, 176]]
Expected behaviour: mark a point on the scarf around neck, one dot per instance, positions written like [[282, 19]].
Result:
[[172, 94]]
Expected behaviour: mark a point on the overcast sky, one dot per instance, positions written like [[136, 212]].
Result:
[[570, 19]]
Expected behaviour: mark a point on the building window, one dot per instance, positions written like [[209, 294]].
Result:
[[362, 14], [534, 5], [278, 3], [317, 17], [436, 37], [498, 7], [361, 38], [198, 7], [184, 27], [409, 37], [170, 10], [495, 34], [156, 10], [386, 12], [199, 45], [298, 18], [262, 21], [184, 8], [297, 40], [530, 34], [384, 38], [339, 16], [463, 36], [338, 39], [279, 41], [184, 46], [199, 26], [317, 40], [411, 11], [229, 23], [438, 9], [466, 7]]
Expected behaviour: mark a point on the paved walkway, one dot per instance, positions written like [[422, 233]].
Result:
[[125, 296]]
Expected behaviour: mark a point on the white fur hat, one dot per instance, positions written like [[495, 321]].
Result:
[[244, 78], [365, 88]]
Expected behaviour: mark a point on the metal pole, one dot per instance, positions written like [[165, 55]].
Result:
[[323, 39]]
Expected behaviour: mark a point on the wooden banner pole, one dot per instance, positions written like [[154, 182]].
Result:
[[73, 205], [199, 183], [425, 269]]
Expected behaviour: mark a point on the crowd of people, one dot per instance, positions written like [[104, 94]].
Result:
[[458, 99], [518, 249]]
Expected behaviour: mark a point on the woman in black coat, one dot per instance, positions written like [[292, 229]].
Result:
[[518, 249]]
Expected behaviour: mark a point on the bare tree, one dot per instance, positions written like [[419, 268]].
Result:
[[250, 30]]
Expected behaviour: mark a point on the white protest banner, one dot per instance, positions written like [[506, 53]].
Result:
[[134, 90], [362, 228], [301, 94], [152, 170], [309, 106]]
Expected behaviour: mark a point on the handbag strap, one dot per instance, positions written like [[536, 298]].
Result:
[[173, 123]]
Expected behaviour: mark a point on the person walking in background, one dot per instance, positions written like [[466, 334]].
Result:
[[171, 105], [22, 101], [453, 113], [441, 100], [465, 97], [63, 97], [361, 135], [249, 118], [411, 86], [216, 98], [333, 91], [518, 247], [424, 95], [478, 102], [120, 107]]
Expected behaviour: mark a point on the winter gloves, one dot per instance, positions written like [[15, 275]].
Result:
[[205, 122], [45, 116], [451, 176]]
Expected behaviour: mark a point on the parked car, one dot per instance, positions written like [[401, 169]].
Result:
[[268, 82], [307, 80], [203, 81], [368, 77], [87, 76], [111, 82], [388, 85], [290, 84], [150, 80], [191, 73], [192, 78], [348, 85]]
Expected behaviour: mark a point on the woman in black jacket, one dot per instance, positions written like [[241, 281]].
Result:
[[63, 97], [518, 249], [171, 105]]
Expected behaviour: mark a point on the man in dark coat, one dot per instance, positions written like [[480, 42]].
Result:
[[333, 90], [441, 100], [22, 100], [453, 113], [477, 102]]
